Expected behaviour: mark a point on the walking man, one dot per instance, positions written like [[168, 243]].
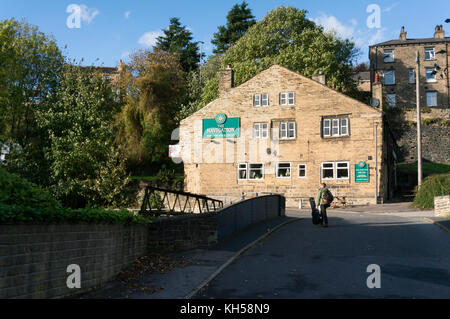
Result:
[[323, 200]]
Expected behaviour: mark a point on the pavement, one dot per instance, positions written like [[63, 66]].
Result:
[[208, 267]]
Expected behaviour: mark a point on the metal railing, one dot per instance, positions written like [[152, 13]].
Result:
[[157, 201]]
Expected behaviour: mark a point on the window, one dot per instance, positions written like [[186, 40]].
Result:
[[344, 126], [242, 171], [430, 74], [291, 98], [389, 77], [342, 170], [432, 98], [388, 55], [335, 127], [287, 98], [265, 99], [256, 171], [390, 99], [429, 54], [257, 100], [283, 170], [328, 170], [302, 171], [287, 130], [412, 76], [260, 130], [326, 127]]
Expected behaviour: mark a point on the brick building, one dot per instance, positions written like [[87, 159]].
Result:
[[281, 132], [395, 62]]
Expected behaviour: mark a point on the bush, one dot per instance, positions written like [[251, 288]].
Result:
[[432, 186], [24, 202]]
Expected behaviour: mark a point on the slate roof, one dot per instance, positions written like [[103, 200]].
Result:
[[412, 41]]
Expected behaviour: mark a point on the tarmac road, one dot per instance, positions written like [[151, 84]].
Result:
[[305, 261]]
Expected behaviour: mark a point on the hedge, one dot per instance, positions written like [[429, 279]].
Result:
[[26, 203], [432, 186]]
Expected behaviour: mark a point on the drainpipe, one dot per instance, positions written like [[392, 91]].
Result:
[[448, 84], [376, 163]]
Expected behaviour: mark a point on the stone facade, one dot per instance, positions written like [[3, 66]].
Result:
[[442, 206], [403, 61], [212, 165]]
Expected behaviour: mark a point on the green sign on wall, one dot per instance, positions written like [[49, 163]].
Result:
[[221, 127], [362, 173]]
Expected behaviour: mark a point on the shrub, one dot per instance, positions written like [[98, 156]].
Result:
[[429, 121], [426, 109], [446, 123], [432, 186], [24, 202]]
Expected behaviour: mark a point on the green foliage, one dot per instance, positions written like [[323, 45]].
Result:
[[25, 203], [429, 121], [432, 186], [153, 87], [177, 40], [84, 166], [428, 168], [446, 123], [426, 109], [286, 37], [30, 64], [239, 20]]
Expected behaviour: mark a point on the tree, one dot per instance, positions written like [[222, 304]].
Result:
[[177, 40], [286, 37], [85, 167], [153, 87], [30, 63], [239, 20]]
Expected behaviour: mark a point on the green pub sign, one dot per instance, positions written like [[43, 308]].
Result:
[[362, 172], [221, 127]]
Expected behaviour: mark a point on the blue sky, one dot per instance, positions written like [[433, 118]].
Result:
[[112, 29]]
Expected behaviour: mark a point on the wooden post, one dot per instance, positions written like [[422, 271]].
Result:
[[419, 123]]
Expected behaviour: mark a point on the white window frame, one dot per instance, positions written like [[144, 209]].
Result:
[[344, 126], [389, 56], [290, 170], [391, 99], [386, 77], [322, 170], [300, 169], [327, 127], [431, 54], [264, 99], [428, 97], [242, 169], [412, 76], [432, 79], [334, 127], [261, 130], [291, 98], [347, 168], [257, 100], [250, 171], [283, 99], [285, 130]]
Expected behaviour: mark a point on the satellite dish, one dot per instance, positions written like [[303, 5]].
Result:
[[374, 102]]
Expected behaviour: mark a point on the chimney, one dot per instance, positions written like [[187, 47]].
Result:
[[321, 78], [226, 80], [403, 34], [377, 93], [439, 32]]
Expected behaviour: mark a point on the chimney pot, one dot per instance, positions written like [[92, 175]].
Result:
[[403, 34], [439, 32]]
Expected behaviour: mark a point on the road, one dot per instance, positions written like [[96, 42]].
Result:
[[305, 261]]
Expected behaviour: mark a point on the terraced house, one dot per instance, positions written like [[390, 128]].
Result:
[[394, 63], [281, 132]]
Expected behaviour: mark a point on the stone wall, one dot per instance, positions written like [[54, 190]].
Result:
[[34, 258], [442, 206], [435, 142]]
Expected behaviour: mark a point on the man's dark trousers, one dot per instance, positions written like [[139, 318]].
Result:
[[323, 211]]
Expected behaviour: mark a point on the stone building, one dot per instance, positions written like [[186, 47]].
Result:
[[281, 132], [394, 63]]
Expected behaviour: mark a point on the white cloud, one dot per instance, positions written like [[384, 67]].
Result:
[[88, 14], [332, 24], [149, 39], [379, 36], [389, 9], [127, 14]]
